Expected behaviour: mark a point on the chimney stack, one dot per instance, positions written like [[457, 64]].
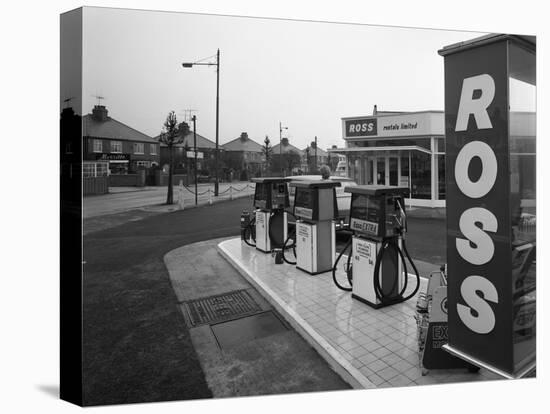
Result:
[[375, 110], [99, 113]]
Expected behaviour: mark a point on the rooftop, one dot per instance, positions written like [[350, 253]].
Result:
[[287, 147], [242, 143], [99, 125]]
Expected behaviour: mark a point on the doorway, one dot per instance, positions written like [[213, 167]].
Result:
[[382, 170]]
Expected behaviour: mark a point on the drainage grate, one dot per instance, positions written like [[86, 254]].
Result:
[[219, 308]]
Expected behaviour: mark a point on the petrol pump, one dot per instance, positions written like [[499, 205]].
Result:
[[315, 208], [271, 199], [376, 267]]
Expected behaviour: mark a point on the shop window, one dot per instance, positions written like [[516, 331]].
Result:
[[116, 147], [440, 163], [439, 145], [138, 148], [118, 168], [143, 164], [98, 145], [421, 177], [404, 180], [94, 169]]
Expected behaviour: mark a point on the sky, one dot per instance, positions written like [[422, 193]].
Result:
[[306, 75]]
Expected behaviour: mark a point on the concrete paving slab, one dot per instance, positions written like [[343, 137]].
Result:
[[337, 325]]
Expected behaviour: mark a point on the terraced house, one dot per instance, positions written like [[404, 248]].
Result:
[[113, 148]]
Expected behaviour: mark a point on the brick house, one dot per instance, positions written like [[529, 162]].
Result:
[[287, 158], [243, 157], [110, 144]]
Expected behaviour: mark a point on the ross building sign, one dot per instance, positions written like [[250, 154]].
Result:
[[362, 127], [112, 157], [478, 214], [406, 124]]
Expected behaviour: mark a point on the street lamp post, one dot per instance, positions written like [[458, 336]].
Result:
[[281, 127], [217, 64], [195, 154]]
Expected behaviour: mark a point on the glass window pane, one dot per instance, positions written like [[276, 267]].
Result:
[[421, 179], [404, 179], [522, 92], [440, 162]]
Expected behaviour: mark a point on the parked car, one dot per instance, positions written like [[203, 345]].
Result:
[[343, 198]]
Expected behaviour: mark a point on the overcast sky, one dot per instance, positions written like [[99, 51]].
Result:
[[305, 74]]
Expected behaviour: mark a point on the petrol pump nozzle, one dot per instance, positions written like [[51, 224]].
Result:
[[402, 220]]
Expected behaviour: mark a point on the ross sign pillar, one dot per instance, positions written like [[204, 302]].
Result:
[[484, 207]]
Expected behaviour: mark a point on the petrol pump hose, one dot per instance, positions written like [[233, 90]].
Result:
[[249, 228], [388, 299], [293, 245], [348, 268]]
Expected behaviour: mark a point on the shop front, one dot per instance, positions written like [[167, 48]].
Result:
[[118, 163], [404, 149]]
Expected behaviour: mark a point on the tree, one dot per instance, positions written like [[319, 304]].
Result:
[[287, 162], [172, 134], [267, 150]]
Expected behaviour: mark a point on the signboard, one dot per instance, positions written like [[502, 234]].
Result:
[[478, 209], [407, 124], [191, 154], [364, 226], [112, 157], [362, 127]]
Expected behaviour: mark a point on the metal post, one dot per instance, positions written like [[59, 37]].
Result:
[[217, 120], [195, 150], [315, 165], [281, 147]]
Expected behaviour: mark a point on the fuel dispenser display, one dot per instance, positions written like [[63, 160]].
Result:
[[315, 208], [271, 199], [376, 267]]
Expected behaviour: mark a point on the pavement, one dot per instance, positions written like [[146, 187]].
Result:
[[153, 199], [264, 361]]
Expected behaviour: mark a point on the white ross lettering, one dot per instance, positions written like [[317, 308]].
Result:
[[484, 248], [489, 169], [484, 322], [476, 107]]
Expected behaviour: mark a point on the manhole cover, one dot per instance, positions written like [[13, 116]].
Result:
[[239, 331], [219, 308]]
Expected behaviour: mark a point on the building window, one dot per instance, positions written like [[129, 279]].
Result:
[[153, 149], [116, 147], [138, 148], [98, 145], [94, 169]]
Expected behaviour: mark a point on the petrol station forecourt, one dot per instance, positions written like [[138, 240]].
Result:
[[377, 309]]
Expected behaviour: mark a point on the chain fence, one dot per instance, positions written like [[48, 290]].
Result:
[[230, 189]]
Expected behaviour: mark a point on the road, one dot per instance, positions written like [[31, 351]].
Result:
[[131, 198]]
